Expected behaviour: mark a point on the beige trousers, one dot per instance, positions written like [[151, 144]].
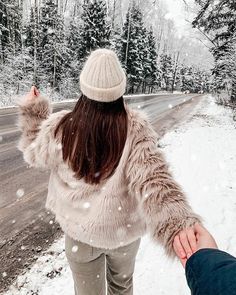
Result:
[[101, 271]]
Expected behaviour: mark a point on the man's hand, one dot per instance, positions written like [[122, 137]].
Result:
[[203, 239]]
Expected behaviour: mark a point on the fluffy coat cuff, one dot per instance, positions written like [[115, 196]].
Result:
[[30, 116], [163, 203]]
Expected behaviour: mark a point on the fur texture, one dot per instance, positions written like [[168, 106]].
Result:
[[141, 195]]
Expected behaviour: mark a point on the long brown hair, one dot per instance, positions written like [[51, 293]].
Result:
[[93, 138]]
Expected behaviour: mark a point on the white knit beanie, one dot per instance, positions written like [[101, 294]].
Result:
[[102, 78]]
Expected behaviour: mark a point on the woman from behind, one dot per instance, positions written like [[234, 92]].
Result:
[[109, 184]]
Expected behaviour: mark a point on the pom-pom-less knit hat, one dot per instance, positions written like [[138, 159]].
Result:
[[102, 78]]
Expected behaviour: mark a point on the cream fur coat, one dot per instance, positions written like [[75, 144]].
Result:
[[140, 196]]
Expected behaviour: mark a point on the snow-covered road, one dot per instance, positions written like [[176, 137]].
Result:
[[202, 156]]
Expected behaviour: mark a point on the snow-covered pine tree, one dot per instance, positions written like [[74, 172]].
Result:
[[187, 79], [132, 49], [5, 32], [12, 70], [151, 69], [53, 52], [217, 21], [95, 30], [167, 68], [75, 63], [10, 23], [31, 45]]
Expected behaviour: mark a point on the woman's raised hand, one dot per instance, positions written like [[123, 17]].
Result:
[[185, 244], [34, 92]]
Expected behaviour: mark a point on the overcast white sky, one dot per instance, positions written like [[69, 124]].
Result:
[[178, 13]]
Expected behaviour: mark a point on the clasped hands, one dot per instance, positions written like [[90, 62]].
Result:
[[190, 240]]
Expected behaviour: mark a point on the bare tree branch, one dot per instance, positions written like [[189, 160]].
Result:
[[203, 33]]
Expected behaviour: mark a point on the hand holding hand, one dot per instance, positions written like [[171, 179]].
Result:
[[185, 241], [185, 244]]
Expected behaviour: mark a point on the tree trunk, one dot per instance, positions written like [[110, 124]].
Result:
[[175, 72], [233, 92], [127, 46], [35, 44]]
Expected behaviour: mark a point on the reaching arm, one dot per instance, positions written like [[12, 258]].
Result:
[[211, 272], [37, 123], [163, 203]]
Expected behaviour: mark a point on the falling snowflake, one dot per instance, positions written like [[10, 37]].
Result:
[[124, 276], [121, 243], [97, 174], [20, 193], [168, 15], [146, 195], [91, 241], [59, 146], [75, 249], [86, 205], [71, 119], [125, 254], [13, 221], [98, 276], [73, 184], [19, 259], [4, 274], [50, 31], [24, 36], [22, 247], [33, 144], [119, 208], [170, 106], [51, 222], [128, 225], [139, 107]]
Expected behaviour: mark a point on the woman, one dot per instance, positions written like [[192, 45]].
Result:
[[109, 184]]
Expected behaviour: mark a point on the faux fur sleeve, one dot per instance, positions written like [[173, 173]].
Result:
[[162, 201], [37, 124]]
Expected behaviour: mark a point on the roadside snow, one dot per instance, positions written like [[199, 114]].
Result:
[[201, 153]]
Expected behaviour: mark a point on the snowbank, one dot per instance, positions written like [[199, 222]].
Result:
[[201, 153]]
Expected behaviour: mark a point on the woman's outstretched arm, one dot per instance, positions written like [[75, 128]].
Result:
[[36, 123], [162, 201]]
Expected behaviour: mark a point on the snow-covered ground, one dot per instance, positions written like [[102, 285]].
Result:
[[202, 156]]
